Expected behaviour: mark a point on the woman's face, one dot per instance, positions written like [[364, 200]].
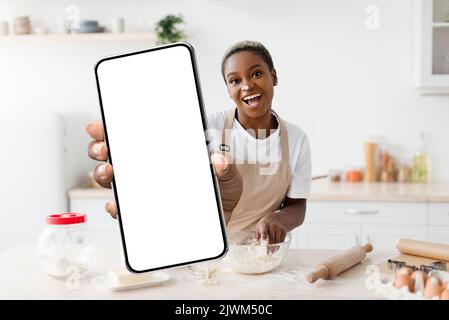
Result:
[[250, 83]]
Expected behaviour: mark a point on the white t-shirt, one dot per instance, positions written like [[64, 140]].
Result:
[[246, 148]]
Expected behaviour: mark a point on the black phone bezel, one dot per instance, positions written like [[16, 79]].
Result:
[[204, 122]]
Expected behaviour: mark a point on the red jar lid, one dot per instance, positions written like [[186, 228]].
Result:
[[66, 218]]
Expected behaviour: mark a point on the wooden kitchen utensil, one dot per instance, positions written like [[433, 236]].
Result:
[[335, 265], [417, 253], [423, 249]]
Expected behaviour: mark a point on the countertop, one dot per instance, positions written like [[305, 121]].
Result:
[[323, 190], [21, 278]]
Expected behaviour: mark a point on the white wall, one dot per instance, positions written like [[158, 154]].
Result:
[[31, 166], [337, 79]]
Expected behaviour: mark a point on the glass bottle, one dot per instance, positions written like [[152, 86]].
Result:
[[420, 163]]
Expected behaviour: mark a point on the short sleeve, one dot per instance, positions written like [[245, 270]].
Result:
[[302, 173], [215, 122]]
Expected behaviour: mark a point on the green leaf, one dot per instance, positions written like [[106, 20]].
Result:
[[167, 29]]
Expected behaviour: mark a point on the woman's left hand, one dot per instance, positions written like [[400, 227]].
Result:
[[270, 227]]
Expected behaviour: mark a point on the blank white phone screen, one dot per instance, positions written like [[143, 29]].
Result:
[[169, 209]]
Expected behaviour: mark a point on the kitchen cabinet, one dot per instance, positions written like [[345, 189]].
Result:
[[431, 46], [439, 214], [92, 202], [384, 237], [325, 236], [439, 234], [341, 224], [439, 222], [339, 215], [366, 212], [380, 213]]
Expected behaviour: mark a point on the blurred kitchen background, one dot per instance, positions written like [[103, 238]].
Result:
[[350, 72]]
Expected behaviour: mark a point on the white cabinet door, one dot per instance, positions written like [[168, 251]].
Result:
[[103, 227], [384, 237], [316, 236], [411, 213], [362, 212], [329, 212], [439, 222], [341, 224], [439, 214], [439, 234]]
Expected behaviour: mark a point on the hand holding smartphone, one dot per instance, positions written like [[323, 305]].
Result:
[[170, 213]]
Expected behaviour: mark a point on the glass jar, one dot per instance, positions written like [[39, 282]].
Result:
[[335, 175], [65, 246], [404, 173], [419, 168]]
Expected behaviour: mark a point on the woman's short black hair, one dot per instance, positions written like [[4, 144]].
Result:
[[251, 46]]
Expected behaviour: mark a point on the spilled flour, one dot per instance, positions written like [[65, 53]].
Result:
[[205, 273]]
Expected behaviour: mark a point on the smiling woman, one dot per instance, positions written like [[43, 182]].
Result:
[[266, 175], [250, 77], [272, 155]]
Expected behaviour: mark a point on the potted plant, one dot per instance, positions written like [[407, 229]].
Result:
[[167, 29]]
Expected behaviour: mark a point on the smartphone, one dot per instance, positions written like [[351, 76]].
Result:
[[155, 126]]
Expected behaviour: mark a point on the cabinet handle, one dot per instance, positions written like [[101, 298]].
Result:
[[364, 212]]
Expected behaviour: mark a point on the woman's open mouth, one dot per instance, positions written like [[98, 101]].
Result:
[[252, 100]]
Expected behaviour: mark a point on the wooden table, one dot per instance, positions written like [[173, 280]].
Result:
[[22, 278]]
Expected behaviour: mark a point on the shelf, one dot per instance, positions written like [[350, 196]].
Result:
[[441, 24], [79, 37]]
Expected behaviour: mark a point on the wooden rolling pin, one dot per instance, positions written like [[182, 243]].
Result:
[[423, 249], [335, 265]]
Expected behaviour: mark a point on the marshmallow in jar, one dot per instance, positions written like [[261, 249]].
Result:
[[65, 246]]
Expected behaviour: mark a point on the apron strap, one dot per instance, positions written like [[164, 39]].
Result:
[[226, 134], [284, 139]]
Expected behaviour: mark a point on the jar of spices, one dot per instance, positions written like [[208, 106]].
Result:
[[404, 173], [335, 175], [388, 170], [65, 246], [22, 25]]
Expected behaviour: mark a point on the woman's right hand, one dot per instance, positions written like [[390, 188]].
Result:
[[230, 182], [98, 150]]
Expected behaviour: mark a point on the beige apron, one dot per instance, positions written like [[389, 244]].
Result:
[[264, 186]]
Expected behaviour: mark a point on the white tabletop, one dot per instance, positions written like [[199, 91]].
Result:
[[22, 278]]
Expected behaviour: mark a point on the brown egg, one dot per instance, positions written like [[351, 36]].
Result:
[[404, 270], [444, 286], [419, 274], [433, 288], [419, 277], [445, 295], [404, 280]]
